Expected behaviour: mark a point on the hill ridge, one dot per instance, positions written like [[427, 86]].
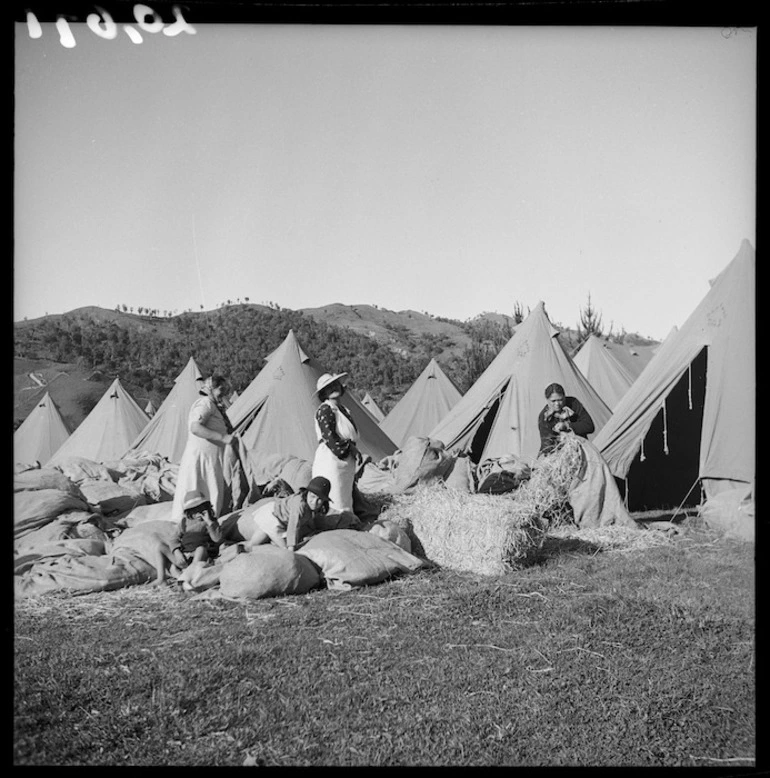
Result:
[[383, 351]]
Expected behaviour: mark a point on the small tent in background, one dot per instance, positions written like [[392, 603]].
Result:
[[596, 361], [371, 406], [150, 409], [690, 416], [632, 356], [41, 434], [498, 414], [106, 433], [275, 413], [423, 406], [166, 433]]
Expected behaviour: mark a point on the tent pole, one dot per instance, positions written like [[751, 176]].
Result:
[[685, 498]]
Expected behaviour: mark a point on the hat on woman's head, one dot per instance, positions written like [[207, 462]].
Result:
[[326, 379], [193, 500], [320, 487]]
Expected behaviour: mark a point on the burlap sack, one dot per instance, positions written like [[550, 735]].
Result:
[[267, 571], [349, 558]]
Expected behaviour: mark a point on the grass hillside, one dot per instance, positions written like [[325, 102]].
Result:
[[395, 328], [74, 389]]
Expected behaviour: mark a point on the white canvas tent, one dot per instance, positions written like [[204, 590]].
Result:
[[275, 414], [498, 414], [369, 403], [597, 362], [166, 433], [634, 358], [690, 416], [425, 403], [41, 434], [106, 433]]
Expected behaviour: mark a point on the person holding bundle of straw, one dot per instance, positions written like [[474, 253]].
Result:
[[562, 415]]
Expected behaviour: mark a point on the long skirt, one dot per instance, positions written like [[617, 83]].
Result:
[[200, 470], [341, 474]]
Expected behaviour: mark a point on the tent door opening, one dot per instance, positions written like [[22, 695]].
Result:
[[662, 480]]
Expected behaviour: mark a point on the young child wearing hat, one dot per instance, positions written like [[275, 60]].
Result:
[[286, 521], [200, 535]]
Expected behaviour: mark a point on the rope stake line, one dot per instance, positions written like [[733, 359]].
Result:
[[676, 512]]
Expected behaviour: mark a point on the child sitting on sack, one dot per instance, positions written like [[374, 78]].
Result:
[[286, 521], [199, 536]]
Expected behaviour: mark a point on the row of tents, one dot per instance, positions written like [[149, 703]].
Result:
[[667, 418]]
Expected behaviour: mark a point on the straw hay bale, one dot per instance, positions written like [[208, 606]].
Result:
[[489, 534]]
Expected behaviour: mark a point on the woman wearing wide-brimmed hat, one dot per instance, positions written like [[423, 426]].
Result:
[[336, 457]]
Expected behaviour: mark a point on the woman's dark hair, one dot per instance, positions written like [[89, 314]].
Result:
[[217, 379], [554, 389], [324, 393]]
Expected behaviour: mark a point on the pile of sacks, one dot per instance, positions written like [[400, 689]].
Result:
[[424, 460], [76, 510], [86, 527]]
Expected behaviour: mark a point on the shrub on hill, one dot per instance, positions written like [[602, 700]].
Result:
[[233, 341], [149, 354]]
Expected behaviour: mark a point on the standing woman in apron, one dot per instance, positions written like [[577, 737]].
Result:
[[209, 433], [336, 457]]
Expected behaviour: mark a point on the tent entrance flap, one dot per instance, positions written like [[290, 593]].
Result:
[[479, 440], [656, 479]]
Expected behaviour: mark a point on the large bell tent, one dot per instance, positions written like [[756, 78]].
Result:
[[498, 414], [689, 418]]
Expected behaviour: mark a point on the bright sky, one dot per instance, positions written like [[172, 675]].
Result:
[[448, 169]]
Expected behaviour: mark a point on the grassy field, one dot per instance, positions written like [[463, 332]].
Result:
[[607, 651]]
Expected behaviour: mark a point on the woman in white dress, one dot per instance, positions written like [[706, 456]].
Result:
[[210, 432], [337, 456]]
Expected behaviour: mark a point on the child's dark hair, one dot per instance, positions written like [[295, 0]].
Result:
[[204, 506], [324, 506]]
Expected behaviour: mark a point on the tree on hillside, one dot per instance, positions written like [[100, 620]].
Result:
[[590, 322], [476, 358], [518, 312]]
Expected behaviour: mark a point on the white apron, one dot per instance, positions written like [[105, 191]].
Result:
[[340, 472]]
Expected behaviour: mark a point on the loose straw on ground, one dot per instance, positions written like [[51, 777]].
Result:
[[489, 534], [614, 538]]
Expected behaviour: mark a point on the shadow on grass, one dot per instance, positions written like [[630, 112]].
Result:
[[670, 515], [555, 547]]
